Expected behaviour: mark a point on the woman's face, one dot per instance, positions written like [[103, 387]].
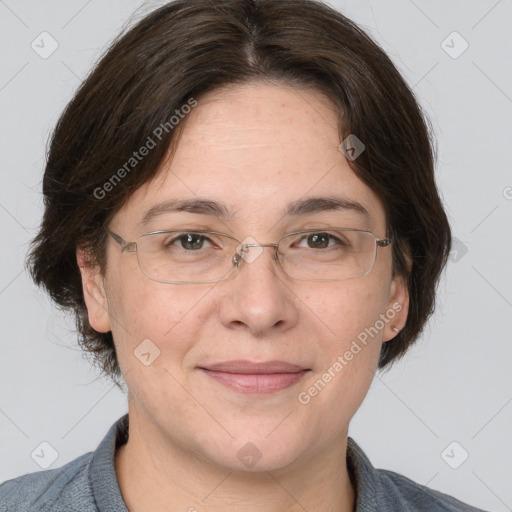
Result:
[[255, 149]]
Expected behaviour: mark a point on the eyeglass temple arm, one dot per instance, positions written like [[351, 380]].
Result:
[[384, 242], [125, 246]]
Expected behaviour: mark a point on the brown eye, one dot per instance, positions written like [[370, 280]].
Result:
[[192, 241], [318, 240], [321, 240], [187, 241]]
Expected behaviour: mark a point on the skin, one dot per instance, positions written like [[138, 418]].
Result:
[[255, 148]]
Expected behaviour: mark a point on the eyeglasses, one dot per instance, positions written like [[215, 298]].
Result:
[[181, 256]]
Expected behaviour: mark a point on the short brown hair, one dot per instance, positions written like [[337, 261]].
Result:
[[187, 48]]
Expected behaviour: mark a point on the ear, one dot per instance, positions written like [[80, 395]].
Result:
[[397, 307], [94, 292]]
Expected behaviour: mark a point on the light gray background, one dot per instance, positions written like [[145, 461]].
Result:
[[455, 385]]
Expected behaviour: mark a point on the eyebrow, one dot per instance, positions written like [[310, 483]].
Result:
[[296, 208]]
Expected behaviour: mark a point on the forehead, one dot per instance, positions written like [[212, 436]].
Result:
[[257, 148]]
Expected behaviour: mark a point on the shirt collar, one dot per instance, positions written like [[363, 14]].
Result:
[[108, 497], [365, 479], [102, 472]]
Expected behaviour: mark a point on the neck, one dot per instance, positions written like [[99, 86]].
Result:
[[157, 475]]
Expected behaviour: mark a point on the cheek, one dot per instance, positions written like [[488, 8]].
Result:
[[167, 315], [349, 310], [348, 355]]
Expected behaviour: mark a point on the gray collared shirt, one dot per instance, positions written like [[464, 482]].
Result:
[[89, 484]]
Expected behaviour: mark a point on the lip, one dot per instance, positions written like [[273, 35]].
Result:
[[243, 366], [259, 378]]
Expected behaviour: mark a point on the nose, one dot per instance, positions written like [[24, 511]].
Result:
[[258, 297]]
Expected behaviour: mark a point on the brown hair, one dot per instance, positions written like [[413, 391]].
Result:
[[187, 48]]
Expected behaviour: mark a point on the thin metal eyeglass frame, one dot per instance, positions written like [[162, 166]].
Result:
[[237, 259]]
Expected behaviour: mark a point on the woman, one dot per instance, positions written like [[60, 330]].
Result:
[[241, 210]]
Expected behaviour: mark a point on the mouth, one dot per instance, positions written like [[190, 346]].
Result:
[[256, 378]]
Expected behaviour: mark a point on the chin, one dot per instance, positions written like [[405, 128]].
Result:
[[255, 454]]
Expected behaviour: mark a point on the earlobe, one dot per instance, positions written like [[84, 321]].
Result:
[[397, 307], [94, 292]]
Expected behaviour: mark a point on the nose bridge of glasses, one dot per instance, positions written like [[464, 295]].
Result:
[[242, 247], [242, 252]]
